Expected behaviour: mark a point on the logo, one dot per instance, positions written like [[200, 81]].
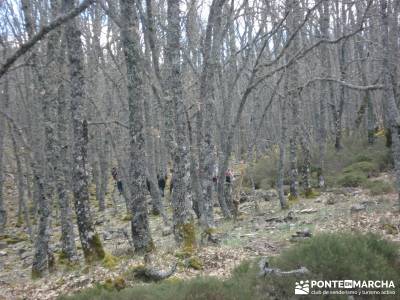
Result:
[[345, 287], [302, 288]]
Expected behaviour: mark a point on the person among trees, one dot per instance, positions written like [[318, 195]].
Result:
[[114, 174], [161, 183], [228, 176], [215, 177]]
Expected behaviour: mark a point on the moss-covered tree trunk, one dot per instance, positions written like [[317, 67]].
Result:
[[137, 176], [182, 196], [91, 244]]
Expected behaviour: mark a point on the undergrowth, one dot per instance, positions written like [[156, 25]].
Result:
[[329, 256]]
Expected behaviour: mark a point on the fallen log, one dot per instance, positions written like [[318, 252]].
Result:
[[147, 273], [265, 270]]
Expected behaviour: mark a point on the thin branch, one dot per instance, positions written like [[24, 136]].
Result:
[[42, 33], [109, 122], [346, 84]]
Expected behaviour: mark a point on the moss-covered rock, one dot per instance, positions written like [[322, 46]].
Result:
[[119, 283], [127, 217], [195, 262]]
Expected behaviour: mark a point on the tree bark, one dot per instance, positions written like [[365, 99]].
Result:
[[184, 230], [90, 240], [130, 40]]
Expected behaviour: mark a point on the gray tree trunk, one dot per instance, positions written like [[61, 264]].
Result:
[[130, 40], [4, 107], [91, 244], [43, 258], [62, 170], [182, 196]]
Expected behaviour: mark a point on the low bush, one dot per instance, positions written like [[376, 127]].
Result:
[[263, 172], [352, 179], [369, 168], [378, 187], [344, 256]]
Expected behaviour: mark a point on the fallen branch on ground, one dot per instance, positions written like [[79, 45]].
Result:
[[265, 270]]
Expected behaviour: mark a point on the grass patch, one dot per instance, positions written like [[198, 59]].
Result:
[[109, 261]]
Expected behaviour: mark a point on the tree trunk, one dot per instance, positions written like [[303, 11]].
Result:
[[62, 170], [90, 240], [4, 106], [184, 230], [140, 225]]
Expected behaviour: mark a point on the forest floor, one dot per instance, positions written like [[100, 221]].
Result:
[[255, 233]]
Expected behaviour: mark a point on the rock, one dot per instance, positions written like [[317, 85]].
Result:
[[308, 211], [290, 217], [106, 236], [301, 235], [304, 233], [166, 231], [99, 221], [21, 251], [3, 253], [357, 208], [244, 197], [331, 200]]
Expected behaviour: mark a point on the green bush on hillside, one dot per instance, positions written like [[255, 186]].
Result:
[[366, 167], [352, 179], [355, 157]]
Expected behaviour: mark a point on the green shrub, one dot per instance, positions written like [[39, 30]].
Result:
[[362, 166], [378, 187], [352, 179], [344, 256], [363, 157], [376, 157], [263, 172]]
